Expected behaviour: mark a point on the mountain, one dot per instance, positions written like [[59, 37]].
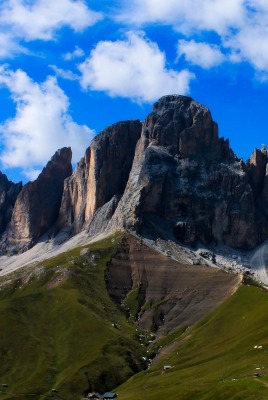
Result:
[[187, 184], [99, 181], [60, 328], [169, 177], [9, 192], [224, 356], [95, 317], [37, 204], [108, 291]]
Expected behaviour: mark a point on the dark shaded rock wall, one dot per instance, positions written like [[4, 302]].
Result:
[[170, 177], [37, 206], [9, 192], [187, 183]]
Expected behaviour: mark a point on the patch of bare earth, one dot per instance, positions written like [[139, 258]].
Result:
[[168, 293], [58, 279]]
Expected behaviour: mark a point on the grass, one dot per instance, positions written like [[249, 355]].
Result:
[[216, 359], [131, 303], [60, 329]]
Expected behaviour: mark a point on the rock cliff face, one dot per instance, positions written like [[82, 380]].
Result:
[[38, 203], [170, 177], [257, 167], [187, 184], [9, 192], [100, 177]]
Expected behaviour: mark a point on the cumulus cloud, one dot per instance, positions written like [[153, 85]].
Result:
[[41, 124], [184, 15], [9, 46], [76, 53], [32, 173], [134, 68], [240, 25], [42, 18], [251, 44], [199, 53]]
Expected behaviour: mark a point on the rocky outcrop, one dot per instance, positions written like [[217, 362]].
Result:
[[100, 176], [187, 184], [37, 206], [171, 177], [257, 167], [9, 192], [262, 201]]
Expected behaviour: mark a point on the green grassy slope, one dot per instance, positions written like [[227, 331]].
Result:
[[59, 328], [215, 359]]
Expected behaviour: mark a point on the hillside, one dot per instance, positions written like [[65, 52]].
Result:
[[216, 359], [162, 293], [136, 260], [65, 326], [60, 329]]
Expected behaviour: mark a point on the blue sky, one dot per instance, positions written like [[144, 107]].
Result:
[[69, 68]]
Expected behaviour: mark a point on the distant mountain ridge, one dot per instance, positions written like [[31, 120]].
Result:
[[169, 177]]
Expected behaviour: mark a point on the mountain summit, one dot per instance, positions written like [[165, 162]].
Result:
[[170, 177]]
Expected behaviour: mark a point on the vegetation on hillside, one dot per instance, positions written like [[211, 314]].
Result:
[[60, 329], [225, 356]]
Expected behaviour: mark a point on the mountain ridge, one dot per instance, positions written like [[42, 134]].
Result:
[[89, 309], [169, 177]]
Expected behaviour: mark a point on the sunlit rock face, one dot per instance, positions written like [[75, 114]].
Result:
[[170, 177], [188, 185], [100, 177]]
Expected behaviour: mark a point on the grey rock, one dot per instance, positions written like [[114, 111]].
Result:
[[101, 174], [37, 206], [187, 182], [9, 192]]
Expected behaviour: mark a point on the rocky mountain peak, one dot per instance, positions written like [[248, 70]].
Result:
[[172, 101], [184, 127], [256, 166], [100, 178], [187, 184], [9, 192], [170, 177], [59, 167], [37, 205]]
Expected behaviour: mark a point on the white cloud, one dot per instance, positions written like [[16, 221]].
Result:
[[41, 124], [76, 53], [65, 74], [240, 25], [32, 173], [198, 53], [40, 19], [251, 44], [134, 68], [184, 15], [9, 46]]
